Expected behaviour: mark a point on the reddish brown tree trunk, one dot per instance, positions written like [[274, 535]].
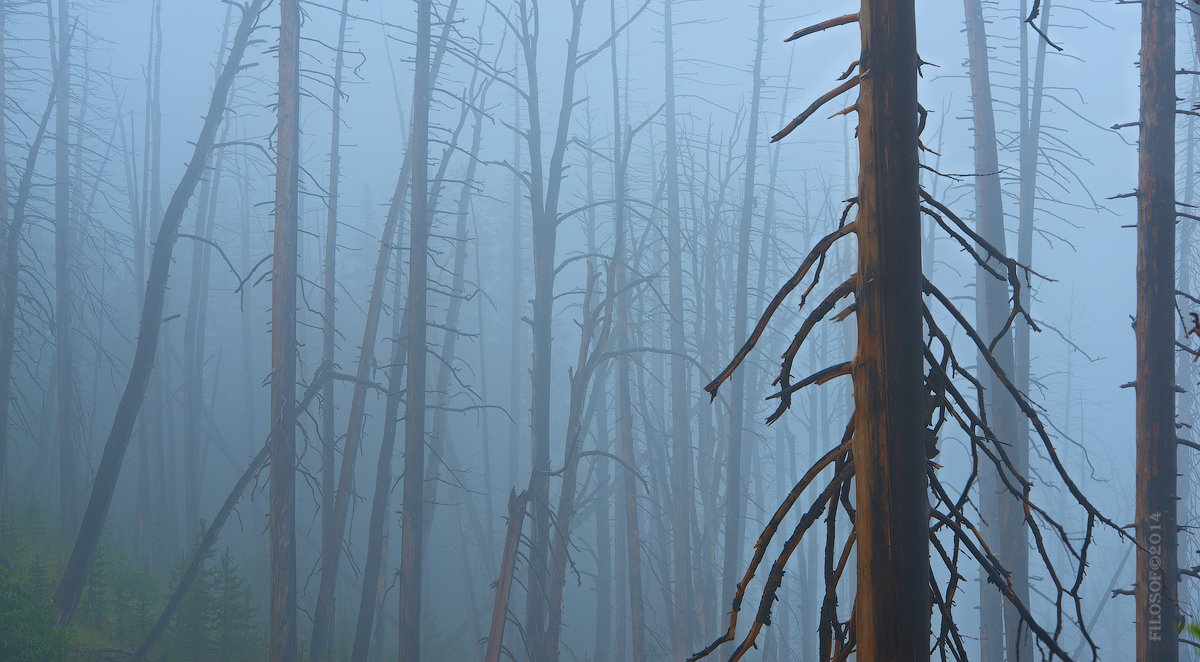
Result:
[[889, 449], [1157, 569]]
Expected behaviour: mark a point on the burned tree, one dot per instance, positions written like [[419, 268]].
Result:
[[281, 644], [1157, 533], [906, 518], [66, 597]]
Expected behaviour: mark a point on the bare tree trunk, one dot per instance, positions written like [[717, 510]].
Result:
[[439, 441], [412, 512], [1157, 566], [5, 223], [83, 554], [374, 570], [735, 507], [545, 188], [629, 484], [330, 545], [893, 603], [508, 562], [516, 324], [682, 496], [63, 356], [1009, 535], [281, 645], [329, 327], [323, 610]]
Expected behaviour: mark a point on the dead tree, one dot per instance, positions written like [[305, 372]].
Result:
[[905, 517], [735, 526], [10, 272], [83, 553], [194, 327], [330, 545], [1004, 512], [682, 496], [323, 611], [281, 643], [374, 570], [412, 518], [329, 309], [64, 370], [1157, 533]]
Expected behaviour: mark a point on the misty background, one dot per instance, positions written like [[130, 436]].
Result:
[[1084, 248]]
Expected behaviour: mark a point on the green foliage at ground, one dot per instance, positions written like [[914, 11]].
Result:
[[121, 601], [27, 631]]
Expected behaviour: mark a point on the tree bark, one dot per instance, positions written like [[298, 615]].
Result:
[[412, 512], [281, 645], [893, 603], [545, 188], [323, 620], [329, 334], [1157, 568]]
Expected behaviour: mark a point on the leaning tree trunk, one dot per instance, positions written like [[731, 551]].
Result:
[[281, 645], [411, 518], [66, 598], [377, 528], [1157, 568], [1009, 536], [889, 442]]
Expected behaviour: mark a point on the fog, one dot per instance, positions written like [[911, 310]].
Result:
[[497, 329]]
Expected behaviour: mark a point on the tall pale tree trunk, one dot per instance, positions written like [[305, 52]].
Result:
[[1006, 531], [892, 521], [329, 302], [735, 506], [412, 518], [14, 224], [330, 545], [682, 495], [281, 645], [1157, 584], [374, 570], [68, 475]]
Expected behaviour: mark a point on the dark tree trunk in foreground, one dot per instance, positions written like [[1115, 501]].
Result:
[[281, 645], [1157, 567], [889, 442], [411, 516], [66, 598]]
